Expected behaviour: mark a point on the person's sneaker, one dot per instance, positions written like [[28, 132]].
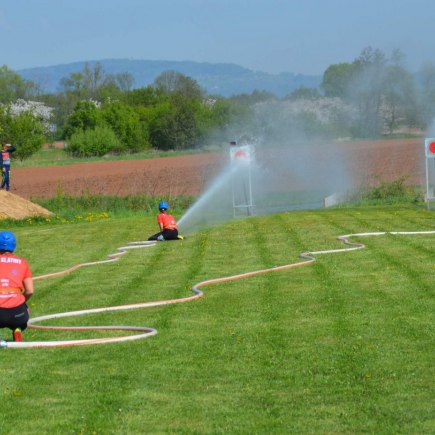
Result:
[[18, 336]]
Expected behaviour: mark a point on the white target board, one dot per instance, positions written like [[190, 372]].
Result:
[[242, 158], [429, 147], [243, 154]]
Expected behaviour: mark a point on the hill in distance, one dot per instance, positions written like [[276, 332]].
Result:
[[223, 79]]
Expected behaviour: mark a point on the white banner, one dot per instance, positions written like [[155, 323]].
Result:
[[242, 154]]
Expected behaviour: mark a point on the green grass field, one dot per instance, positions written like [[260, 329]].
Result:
[[344, 345], [54, 157]]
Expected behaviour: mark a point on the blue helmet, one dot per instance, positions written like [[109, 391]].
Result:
[[8, 241], [163, 205]]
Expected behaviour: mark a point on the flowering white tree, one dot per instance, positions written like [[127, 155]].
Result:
[[37, 109]]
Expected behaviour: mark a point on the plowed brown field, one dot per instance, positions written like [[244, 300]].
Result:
[[188, 175]]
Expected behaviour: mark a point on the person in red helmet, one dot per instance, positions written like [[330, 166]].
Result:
[[167, 224], [16, 287]]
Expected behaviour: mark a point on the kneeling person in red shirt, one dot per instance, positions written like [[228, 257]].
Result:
[[16, 287], [167, 224]]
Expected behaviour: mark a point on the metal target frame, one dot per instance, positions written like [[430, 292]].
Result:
[[429, 145], [242, 158]]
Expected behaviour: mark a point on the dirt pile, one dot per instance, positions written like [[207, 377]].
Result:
[[14, 207]]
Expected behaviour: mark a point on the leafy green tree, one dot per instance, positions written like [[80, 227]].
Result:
[[337, 80], [254, 97], [399, 98], [220, 119], [85, 116], [381, 90], [160, 126], [144, 97], [94, 78], [124, 81], [304, 93], [427, 94], [214, 114], [175, 120], [13, 86], [94, 83], [174, 125], [367, 91], [171, 82], [75, 85], [84, 84], [25, 130], [126, 124], [62, 108]]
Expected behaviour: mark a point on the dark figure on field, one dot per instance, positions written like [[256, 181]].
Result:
[[5, 159], [16, 287], [167, 224]]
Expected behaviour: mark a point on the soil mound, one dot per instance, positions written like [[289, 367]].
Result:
[[14, 207]]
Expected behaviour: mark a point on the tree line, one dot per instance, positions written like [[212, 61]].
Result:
[[98, 113]]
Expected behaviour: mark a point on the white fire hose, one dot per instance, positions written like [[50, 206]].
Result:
[[141, 332]]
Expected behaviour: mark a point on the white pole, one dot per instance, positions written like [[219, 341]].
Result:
[[250, 192], [427, 181]]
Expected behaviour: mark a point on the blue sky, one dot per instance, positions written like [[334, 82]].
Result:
[[300, 36]]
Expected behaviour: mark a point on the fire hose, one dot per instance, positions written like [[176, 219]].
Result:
[[141, 332]]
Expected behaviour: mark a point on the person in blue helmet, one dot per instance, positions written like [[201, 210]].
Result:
[[16, 287], [167, 224]]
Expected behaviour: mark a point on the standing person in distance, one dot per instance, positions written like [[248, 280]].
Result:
[[16, 287], [167, 224], [5, 158]]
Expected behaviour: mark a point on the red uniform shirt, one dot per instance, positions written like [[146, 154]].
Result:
[[167, 221], [6, 157], [13, 271]]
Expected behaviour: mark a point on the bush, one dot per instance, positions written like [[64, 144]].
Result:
[[69, 206], [390, 190], [85, 116], [96, 142], [24, 130], [125, 122]]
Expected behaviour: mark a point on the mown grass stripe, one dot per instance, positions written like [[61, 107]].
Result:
[[316, 349]]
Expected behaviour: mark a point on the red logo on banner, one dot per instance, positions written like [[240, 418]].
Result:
[[242, 155]]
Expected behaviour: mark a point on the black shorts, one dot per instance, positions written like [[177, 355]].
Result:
[[167, 235], [16, 317]]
